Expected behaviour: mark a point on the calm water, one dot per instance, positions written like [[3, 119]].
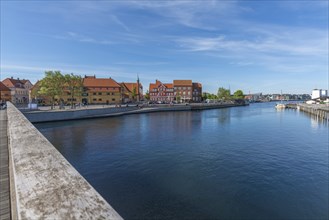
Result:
[[239, 163]]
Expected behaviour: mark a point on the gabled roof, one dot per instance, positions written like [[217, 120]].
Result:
[[196, 84], [36, 85], [130, 86], [158, 83], [3, 87], [17, 83], [168, 85], [182, 82], [99, 82]]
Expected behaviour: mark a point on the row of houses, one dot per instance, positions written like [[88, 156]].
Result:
[[179, 91], [103, 91], [15, 90]]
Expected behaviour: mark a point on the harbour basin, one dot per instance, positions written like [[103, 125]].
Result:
[[250, 162]]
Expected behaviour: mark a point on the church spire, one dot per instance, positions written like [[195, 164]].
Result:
[[138, 95]]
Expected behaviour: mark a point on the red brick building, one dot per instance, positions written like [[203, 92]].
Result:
[[163, 92]]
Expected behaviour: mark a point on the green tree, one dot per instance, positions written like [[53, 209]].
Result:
[[134, 93], [238, 94], [223, 93], [52, 86], [74, 86], [147, 95], [178, 98]]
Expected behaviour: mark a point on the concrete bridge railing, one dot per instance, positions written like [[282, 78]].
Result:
[[44, 185]]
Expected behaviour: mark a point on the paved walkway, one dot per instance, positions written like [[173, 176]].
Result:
[[4, 169]]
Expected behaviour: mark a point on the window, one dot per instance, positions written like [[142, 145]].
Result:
[[99, 99], [108, 93], [94, 99], [112, 93], [189, 93], [99, 93], [94, 93], [113, 99]]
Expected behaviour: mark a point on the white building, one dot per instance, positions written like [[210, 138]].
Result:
[[319, 93]]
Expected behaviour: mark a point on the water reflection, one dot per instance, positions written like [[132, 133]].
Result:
[[236, 163]]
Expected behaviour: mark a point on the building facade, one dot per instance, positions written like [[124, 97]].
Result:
[[183, 90], [196, 92], [19, 90], [101, 91], [161, 92], [179, 91], [5, 93], [131, 92], [319, 94]]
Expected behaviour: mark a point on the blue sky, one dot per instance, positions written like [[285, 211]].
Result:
[[256, 46]]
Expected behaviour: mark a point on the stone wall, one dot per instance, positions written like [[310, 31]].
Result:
[[318, 110], [44, 185], [48, 116]]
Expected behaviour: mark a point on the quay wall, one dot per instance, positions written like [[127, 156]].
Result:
[[72, 114], [320, 111], [49, 116], [44, 185]]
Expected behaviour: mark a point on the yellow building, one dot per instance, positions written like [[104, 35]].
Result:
[[101, 91]]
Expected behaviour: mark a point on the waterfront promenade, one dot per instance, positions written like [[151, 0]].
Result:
[[4, 168], [47, 115]]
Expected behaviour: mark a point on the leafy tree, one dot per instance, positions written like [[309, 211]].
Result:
[[178, 98], [206, 95], [147, 95], [52, 86], [134, 93], [74, 86], [238, 94], [224, 93]]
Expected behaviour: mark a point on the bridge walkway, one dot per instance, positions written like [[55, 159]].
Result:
[[4, 169]]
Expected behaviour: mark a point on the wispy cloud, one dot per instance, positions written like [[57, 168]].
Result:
[[81, 38], [293, 45]]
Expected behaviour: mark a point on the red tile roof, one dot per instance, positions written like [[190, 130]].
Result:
[[182, 82], [18, 83], [100, 82], [3, 87], [169, 85], [158, 83], [130, 86]]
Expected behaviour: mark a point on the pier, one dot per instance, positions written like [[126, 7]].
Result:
[[320, 111]]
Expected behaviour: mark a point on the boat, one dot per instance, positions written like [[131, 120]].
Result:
[[280, 105]]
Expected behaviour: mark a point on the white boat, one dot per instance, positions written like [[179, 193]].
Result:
[[280, 106]]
